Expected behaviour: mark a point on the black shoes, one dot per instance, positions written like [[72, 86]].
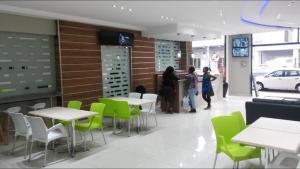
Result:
[[207, 108], [192, 111]]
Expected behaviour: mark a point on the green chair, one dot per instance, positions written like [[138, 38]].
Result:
[[109, 108], [239, 117], [124, 112], [74, 104], [225, 128], [94, 122]]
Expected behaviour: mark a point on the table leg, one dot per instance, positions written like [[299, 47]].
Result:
[[148, 115], [74, 138], [114, 125], [267, 157]]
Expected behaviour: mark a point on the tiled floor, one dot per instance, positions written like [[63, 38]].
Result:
[[180, 140]]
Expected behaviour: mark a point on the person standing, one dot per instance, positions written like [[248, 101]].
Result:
[[207, 89], [192, 88], [168, 87]]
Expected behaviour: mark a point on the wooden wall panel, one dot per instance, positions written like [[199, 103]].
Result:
[[81, 62]]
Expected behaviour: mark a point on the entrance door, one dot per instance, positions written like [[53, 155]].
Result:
[[115, 71]]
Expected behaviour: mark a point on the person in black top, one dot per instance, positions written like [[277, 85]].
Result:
[[168, 87]]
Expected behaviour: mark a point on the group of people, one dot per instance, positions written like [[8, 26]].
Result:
[[191, 88]]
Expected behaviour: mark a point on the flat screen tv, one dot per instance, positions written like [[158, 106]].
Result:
[[116, 38], [240, 47]]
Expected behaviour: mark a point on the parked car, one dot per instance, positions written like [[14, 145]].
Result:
[[288, 79]]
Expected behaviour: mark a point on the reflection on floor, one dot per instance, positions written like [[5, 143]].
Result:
[[272, 93], [180, 140]]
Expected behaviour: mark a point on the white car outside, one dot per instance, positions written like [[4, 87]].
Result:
[[288, 79]]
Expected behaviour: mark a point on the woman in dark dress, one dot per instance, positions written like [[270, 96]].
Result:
[[168, 87], [207, 89]]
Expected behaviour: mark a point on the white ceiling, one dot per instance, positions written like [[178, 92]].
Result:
[[200, 18]]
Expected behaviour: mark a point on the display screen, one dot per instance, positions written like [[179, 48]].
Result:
[[240, 47], [116, 38]]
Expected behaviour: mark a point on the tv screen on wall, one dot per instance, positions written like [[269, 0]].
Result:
[[116, 38], [240, 47]]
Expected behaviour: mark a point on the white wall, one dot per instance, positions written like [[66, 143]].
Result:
[[238, 69], [22, 24]]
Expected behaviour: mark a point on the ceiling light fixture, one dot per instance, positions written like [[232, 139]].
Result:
[[162, 17], [224, 22], [122, 7], [114, 6], [130, 10], [167, 18], [221, 13], [278, 17]]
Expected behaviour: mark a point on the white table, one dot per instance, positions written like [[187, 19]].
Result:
[[137, 102], [65, 114], [277, 124], [271, 134]]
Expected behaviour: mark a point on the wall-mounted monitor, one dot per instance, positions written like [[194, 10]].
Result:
[[116, 38], [240, 47]]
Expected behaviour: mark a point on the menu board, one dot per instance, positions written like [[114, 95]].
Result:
[[167, 53]]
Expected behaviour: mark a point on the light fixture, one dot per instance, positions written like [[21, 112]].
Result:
[[224, 22], [130, 10], [114, 6], [171, 19], [162, 17], [221, 13], [122, 7], [167, 18], [193, 55], [278, 17]]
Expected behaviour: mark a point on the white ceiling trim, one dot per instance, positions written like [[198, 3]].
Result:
[[56, 16]]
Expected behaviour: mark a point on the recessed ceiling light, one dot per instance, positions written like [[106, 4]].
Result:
[[289, 5], [130, 10], [167, 18], [162, 17], [171, 19], [224, 22], [278, 17], [114, 6], [221, 13], [122, 7]]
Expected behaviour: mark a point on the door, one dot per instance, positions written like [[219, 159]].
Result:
[[274, 80], [115, 70], [291, 79]]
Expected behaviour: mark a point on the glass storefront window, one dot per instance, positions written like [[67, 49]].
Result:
[[282, 36], [209, 53]]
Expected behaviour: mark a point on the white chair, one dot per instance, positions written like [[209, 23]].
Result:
[[16, 109], [38, 106], [134, 95], [22, 128], [41, 133], [285, 160], [150, 107]]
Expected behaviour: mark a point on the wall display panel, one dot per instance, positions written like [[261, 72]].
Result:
[[27, 64], [166, 54], [115, 70]]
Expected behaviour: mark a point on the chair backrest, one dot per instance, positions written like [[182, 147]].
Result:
[[109, 107], [239, 117], [122, 109], [16, 109], [98, 108], [134, 95], [38, 127], [74, 104], [226, 127], [20, 123], [38, 106], [150, 96]]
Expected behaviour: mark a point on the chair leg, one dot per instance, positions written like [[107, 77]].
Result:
[[103, 135], [14, 144], [139, 123], [155, 119], [128, 128], [237, 164], [234, 165], [30, 151], [80, 135], [68, 144], [92, 135], [260, 162], [84, 137], [215, 161], [26, 144], [45, 158]]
